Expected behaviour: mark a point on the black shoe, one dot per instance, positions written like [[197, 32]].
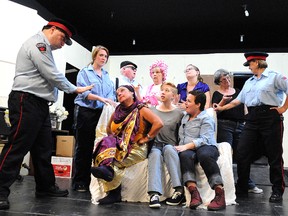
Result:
[[275, 198], [53, 191], [103, 172], [113, 196], [176, 199], [81, 188], [4, 203], [109, 199]]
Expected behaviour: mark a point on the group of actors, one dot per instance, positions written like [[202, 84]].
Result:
[[163, 122]]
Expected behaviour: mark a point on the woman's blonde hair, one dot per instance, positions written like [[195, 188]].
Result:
[[96, 51], [262, 64], [173, 87]]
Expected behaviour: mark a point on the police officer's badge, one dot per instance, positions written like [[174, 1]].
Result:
[[41, 47]]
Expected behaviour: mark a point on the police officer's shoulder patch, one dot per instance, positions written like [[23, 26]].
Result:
[[41, 47]]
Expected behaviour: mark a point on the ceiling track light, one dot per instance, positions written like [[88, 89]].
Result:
[[241, 38], [246, 12]]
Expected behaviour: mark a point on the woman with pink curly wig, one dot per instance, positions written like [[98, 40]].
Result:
[[158, 73]]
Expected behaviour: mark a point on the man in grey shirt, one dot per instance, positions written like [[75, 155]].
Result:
[[35, 86]]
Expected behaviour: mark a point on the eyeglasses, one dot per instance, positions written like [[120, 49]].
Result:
[[188, 70], [226, 78], [66, 36], [132, 68]]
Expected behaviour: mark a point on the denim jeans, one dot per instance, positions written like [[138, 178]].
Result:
[[207, 156], [229, 131], [158, 155]]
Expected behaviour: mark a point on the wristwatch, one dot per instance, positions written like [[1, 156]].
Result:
[[149, 137]]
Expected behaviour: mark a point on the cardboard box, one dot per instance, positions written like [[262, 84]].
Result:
[[65, 146], [62, 166]]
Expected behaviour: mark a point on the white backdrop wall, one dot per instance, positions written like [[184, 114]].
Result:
[[18, 29], [207, 63]]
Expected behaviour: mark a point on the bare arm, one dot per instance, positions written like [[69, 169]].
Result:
[[103, 100], [154, 120], [137, 92], [80, 90], [224, 100], [230, 105], [108, 127]]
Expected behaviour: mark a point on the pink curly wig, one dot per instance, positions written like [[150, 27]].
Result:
[[163, 68]]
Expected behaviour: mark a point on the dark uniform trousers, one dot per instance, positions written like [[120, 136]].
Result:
[[85, 125], [262, 135], [30, 131]]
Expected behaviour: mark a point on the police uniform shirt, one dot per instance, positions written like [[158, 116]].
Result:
[[36, 72], [269, 89]]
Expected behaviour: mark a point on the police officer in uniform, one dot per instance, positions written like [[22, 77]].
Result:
[[35, 86], [263, 94]]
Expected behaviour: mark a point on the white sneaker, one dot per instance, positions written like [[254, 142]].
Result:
[[255, 190], [176, 199], [154, 201]]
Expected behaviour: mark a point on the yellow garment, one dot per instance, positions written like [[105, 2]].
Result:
[[138, 153], [141, 131]]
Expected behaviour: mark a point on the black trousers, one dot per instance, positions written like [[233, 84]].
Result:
[[30, 131], [262, 135], [85, 125]]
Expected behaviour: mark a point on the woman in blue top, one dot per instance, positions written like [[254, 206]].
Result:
[[194, 82], [263, 94], [88, 108]]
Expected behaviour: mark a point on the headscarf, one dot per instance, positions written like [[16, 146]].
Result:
[[121, 111], [120, 145]]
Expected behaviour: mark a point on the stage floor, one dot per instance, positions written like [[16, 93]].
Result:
[[23, 202]]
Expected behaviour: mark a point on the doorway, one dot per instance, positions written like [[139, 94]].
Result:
[[68, 101]]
